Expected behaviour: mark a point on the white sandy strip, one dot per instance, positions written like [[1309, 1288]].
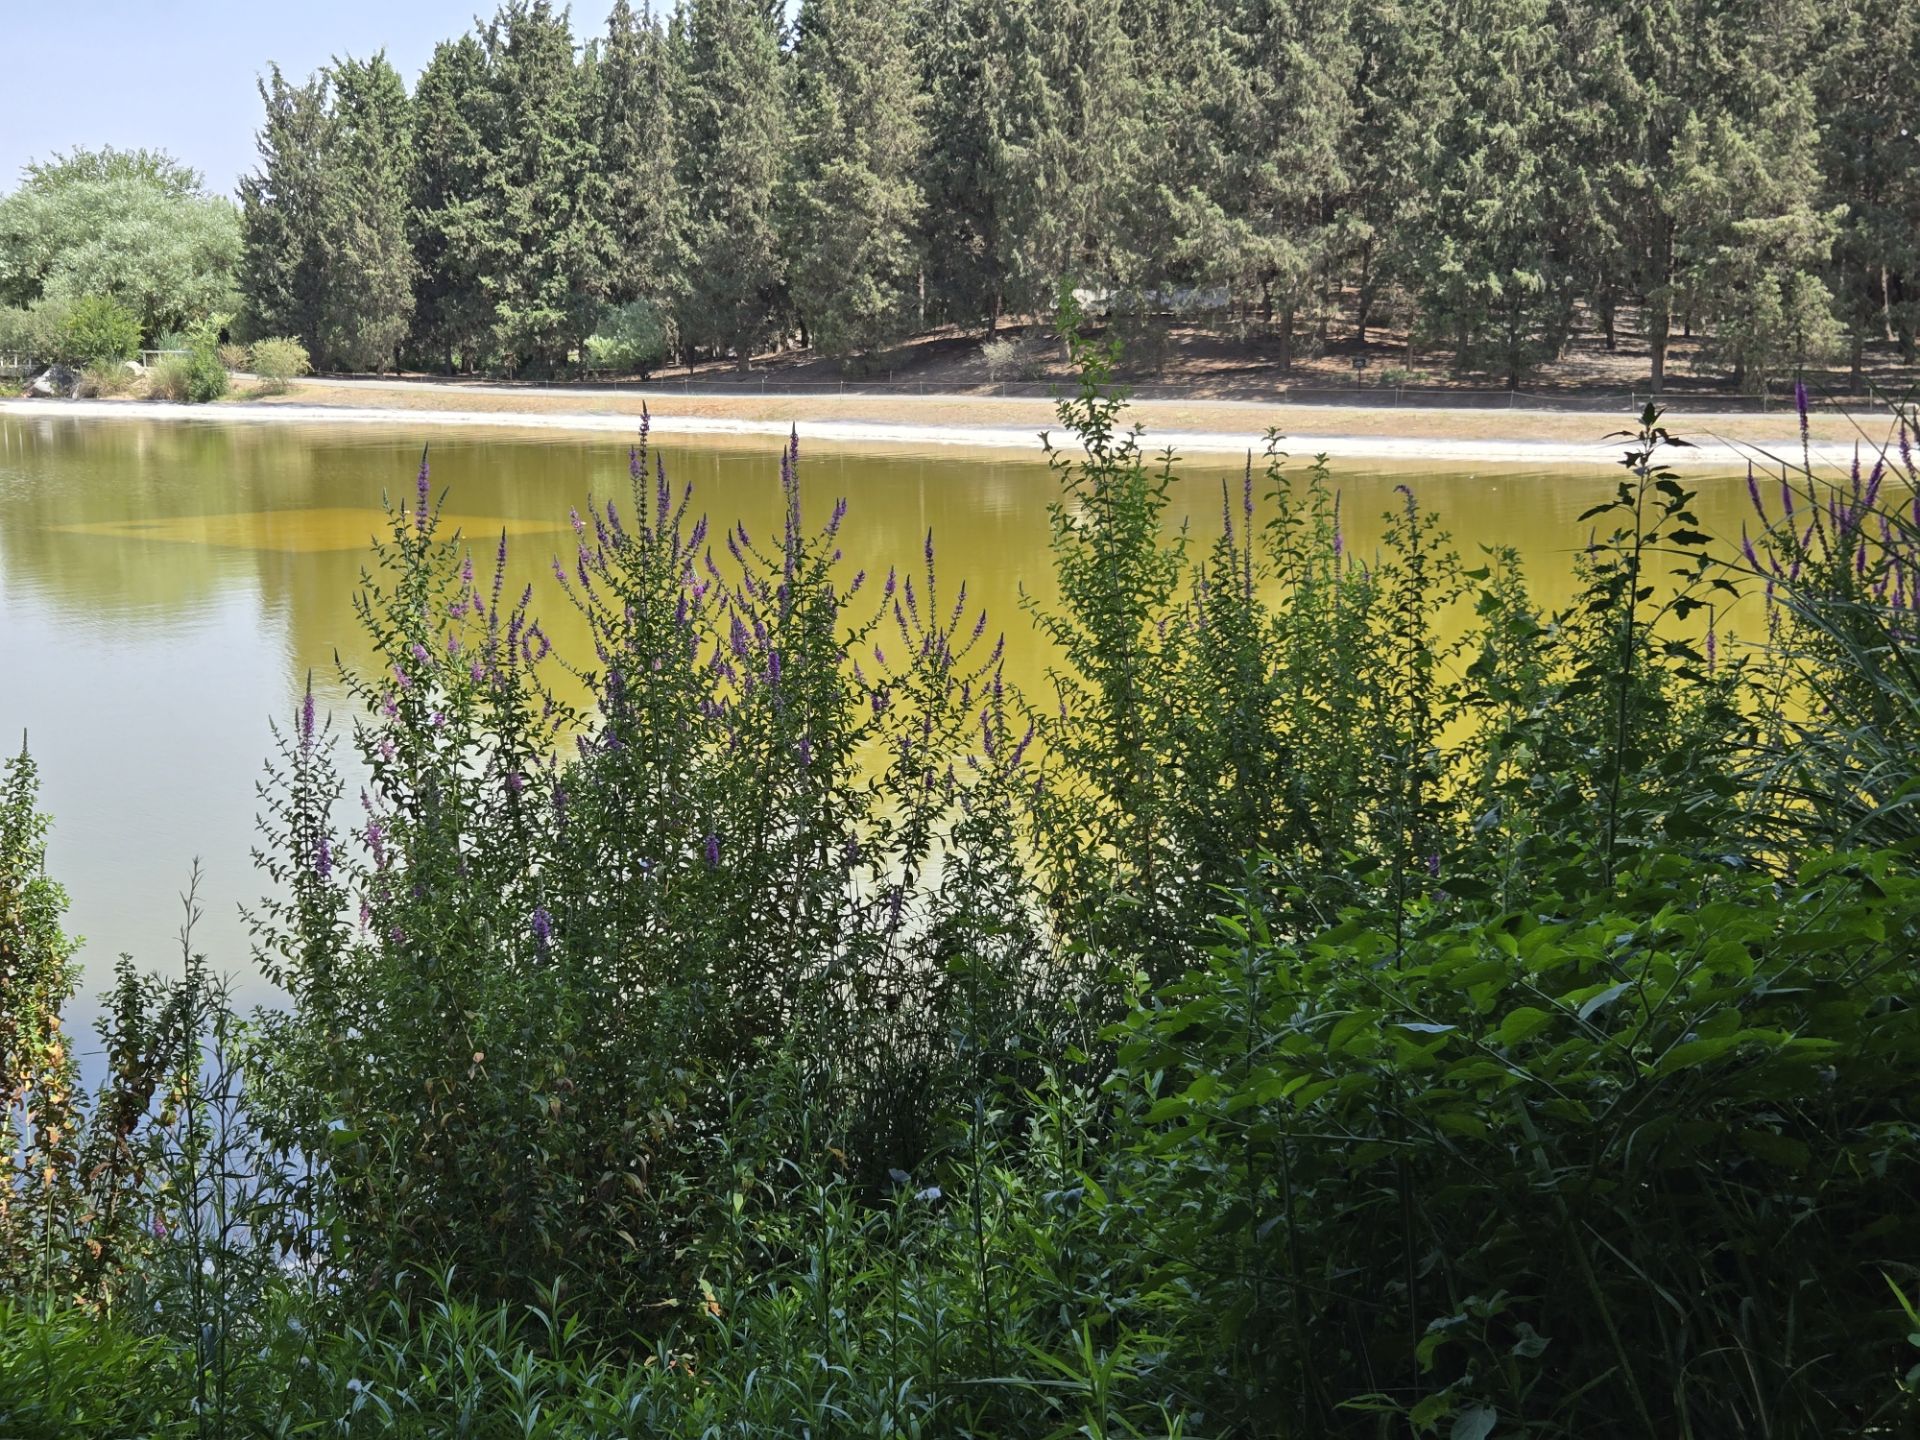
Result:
[[857, 434]]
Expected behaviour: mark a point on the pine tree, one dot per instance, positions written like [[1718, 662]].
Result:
[[1870, 163], [1291, 90], [541, 236], [1489, 257], [283, 213], [736, 125], [852, 203], [1756, 239], [963, 224], [639, 148], [452, 315], [365, 258]]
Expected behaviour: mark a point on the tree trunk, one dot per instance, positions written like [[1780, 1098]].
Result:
[[1286, 340], [1363, 309], [1853, 374], [1609, 323]]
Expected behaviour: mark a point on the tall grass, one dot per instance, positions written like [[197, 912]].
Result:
[[1294, 1022]]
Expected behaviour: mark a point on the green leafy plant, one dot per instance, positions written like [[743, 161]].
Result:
[[277, 361]]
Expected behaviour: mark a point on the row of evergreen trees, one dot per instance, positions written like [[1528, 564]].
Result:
[[1487, 172]]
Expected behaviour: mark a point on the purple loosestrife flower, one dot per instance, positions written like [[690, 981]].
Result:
[[1339, 538], [420, 502], [1746, 548], [1800, 407], [1713, 649], [542, 926], [1753, 492], [322, 858], [713, 850]]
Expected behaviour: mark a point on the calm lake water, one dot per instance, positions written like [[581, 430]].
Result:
[[165, 590]]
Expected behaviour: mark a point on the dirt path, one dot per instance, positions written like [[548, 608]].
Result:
[[1445, 436]]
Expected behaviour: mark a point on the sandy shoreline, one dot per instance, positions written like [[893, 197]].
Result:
[[1453, 438]]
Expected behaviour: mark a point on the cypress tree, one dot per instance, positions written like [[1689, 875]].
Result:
[[639, 149], [283, 213], [452, 316], [365, 257], [736, 124], [852, 203], [543, 245]]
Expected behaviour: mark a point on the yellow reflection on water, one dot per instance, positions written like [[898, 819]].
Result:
[[292, 532], [165, 589]]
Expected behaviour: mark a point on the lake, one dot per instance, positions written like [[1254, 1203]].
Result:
[[167, 588]]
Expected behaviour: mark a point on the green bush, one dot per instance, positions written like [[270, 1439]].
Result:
[[167, 378], [277, 361], [630, 339], [99, 329], [206, 377]]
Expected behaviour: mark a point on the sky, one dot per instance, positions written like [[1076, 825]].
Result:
[[179, 76]]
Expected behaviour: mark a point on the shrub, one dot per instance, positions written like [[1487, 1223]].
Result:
[[112, 378], [206, 377], [277, 361], [630, 339], [1005, 357], [167, 378], [99, 329], [233, 357]]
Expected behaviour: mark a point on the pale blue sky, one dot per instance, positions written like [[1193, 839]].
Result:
[[179, 74]]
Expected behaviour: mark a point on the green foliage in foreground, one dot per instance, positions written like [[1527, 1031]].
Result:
[[1298, 1025]]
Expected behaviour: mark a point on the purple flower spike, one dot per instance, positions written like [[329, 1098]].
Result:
[[420, 502], [542, 929], [306, 716], [1753, 494], [322, 859], [713, 850], [1800, 406]]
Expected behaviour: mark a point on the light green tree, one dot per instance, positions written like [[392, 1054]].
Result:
[[135, 226], [1488, 253]]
